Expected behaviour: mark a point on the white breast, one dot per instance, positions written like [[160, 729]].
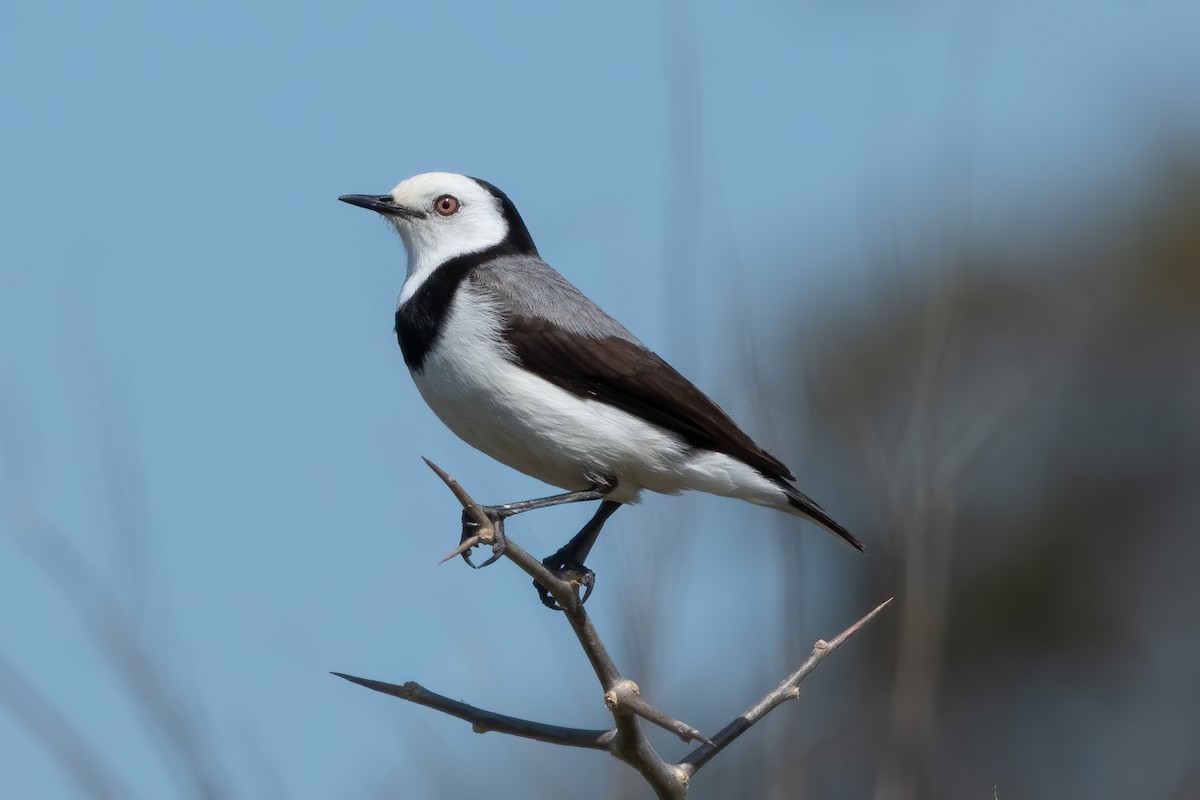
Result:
[[532, 425], [529, 423]]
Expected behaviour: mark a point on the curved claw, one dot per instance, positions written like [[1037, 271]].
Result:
[[567, 570], [498, 550], [499, 544], [588, 583], [547, 599]]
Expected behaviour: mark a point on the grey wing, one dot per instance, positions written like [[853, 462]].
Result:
[[557, 332], [526, 286]]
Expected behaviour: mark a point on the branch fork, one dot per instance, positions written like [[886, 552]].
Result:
[[625, 698], [486, 533], [627, 739]]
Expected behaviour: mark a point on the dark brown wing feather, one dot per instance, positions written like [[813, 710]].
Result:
[[627, 375]]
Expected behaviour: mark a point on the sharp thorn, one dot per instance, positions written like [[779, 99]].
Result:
[[463, 547]]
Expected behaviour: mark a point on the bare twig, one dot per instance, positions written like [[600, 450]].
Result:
[[484, 721], [627, 696], [630, 743], [627, 740], [487, 531], [788, 690], [463, 546]]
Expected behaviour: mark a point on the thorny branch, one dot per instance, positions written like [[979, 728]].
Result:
[[484, 721], [627, 740]]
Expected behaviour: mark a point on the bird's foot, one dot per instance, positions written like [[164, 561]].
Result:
[[471, 529], [570, 570]]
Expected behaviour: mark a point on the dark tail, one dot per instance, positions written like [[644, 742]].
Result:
[[803, 503]]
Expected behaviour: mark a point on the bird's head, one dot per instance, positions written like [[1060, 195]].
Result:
[[440, 216]]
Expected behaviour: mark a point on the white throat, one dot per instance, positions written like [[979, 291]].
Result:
[[429, 244]]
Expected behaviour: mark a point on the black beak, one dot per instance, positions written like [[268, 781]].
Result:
[[383, 203]]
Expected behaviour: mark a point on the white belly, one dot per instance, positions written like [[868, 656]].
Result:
[[544, 431]]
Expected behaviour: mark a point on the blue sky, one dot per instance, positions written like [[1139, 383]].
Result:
[[201, 388]]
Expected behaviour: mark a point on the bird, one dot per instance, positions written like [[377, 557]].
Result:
[[520, 364]]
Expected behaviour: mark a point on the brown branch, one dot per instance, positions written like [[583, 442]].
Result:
[[627, 696], [627, 740], [629, 743], [487, 531], [788, 690], [484, 721]]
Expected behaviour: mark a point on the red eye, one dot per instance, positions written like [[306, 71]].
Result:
[[446, 205]]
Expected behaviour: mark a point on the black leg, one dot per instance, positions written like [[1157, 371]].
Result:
[[497, 514], [512, 509], [567, 562]]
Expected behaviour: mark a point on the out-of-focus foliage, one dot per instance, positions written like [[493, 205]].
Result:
[[1028, 425]]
